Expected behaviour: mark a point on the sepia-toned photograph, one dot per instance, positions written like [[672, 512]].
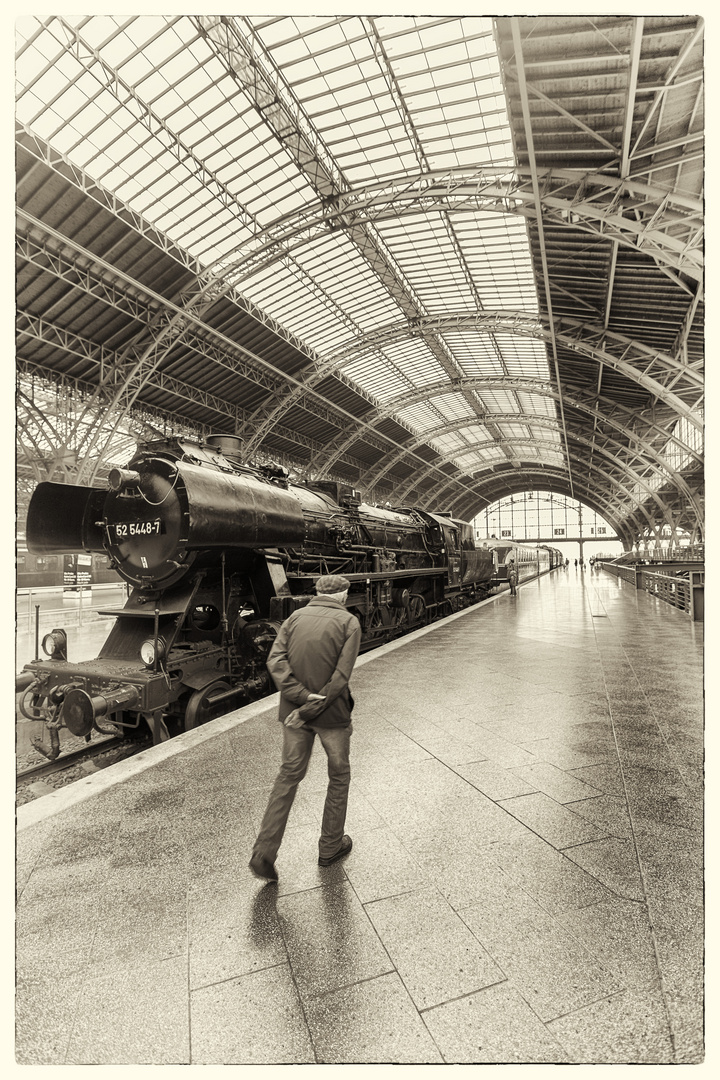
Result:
[[359, 539]]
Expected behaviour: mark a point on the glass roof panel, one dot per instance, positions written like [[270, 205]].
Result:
[[537, 405]]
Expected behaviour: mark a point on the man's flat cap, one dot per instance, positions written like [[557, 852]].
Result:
[[331, 583]]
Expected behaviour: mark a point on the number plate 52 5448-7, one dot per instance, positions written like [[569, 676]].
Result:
[[123, 530]]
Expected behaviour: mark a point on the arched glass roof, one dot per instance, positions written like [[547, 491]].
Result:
[[436, 257], [238, 138]]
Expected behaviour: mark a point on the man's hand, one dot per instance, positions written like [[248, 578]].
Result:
[[316, 697], [294, 720]]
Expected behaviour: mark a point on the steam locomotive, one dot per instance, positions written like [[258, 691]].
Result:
[[218, 554]]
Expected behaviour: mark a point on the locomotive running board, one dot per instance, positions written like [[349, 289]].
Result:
[[385, 575], [173, 601]]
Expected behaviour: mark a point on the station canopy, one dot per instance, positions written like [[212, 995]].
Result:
[[443, 258]]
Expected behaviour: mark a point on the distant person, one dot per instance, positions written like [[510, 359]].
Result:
[[576, 564], [567, 563], [311, 662], [512, 577]]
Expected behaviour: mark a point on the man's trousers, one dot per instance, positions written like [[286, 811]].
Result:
[[296, 753]]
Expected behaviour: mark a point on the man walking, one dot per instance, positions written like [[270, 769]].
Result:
[[310, 663]]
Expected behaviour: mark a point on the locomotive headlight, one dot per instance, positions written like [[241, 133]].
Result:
[[148, 655], [55, 645]]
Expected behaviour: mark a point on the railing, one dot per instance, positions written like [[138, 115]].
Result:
[[672, 590], [663, 554], [686, 592], [74, 607], [627, 573]]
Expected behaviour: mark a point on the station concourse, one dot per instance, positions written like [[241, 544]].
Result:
[[525, 886]]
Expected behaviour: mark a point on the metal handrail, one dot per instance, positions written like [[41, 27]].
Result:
[[75, 615], [684, 593]]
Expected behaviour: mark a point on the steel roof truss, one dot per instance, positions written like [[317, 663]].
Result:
[[636, 448], [612, 479], [612, 486], [503, 191]]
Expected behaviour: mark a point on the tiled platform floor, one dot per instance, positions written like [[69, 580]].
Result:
[[526, 883]]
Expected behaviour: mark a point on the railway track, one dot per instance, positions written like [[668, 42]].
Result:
[[35, 781], [72, 757]]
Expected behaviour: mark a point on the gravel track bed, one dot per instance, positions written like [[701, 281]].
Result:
[[29, 788]]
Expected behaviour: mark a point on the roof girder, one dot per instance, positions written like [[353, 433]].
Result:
[[293, 128], [100, 279], [44, 330], [232, 355], [548, 478], [612, 482], [575, 400], [589, 339], [596, 342], [148, 307], [540, 230], [575, 436], [344, 441], [587, 200], [88, 462], [670, 222], [619, 517]]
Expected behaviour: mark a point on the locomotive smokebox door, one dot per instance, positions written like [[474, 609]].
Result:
[[147, 526], [157, 525]]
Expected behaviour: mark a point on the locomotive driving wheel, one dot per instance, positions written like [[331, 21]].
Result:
[[417, 612], [203, 705], [377, 630]]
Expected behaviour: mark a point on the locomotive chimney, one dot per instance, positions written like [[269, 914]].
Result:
[[229, 445]]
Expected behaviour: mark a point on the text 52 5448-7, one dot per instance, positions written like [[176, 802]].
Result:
[[123, 529]]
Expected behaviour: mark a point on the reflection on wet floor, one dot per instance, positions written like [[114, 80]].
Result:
[[525, 885], [73, 611]]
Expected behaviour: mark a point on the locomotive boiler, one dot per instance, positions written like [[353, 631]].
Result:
[[218, 554]]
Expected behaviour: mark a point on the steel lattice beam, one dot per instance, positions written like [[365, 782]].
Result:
[[285, 118], [578, 398], [142, 356], [69, 261], [43, 330], [547, 479], [596, 342], [574, 435], [643, 216], [611, 479], [586, 200], [627, 356]]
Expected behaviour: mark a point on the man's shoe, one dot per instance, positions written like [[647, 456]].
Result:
[[263, 868], [343, 850]]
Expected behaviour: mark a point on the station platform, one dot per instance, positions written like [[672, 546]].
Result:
[[525, 886]]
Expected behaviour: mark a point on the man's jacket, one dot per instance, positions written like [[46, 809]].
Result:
[[314, 653]]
